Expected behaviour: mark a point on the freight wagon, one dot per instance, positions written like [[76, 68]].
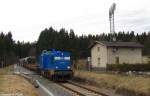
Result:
[[29, 63]]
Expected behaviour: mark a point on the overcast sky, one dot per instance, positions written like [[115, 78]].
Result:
[[27, 18]]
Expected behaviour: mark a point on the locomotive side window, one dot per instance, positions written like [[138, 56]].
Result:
[[66, 58], [52, 57], [57, 58], [61, 58]]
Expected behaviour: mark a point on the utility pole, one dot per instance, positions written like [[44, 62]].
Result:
[[111, 20]]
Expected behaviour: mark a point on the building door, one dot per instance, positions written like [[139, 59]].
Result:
[[117, 60], [98, 61]]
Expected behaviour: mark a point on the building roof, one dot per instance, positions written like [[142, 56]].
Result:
[[118, 44]]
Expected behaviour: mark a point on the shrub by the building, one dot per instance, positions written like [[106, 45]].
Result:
[[128, 67]]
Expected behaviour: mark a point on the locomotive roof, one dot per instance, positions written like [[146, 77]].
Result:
[[56, 52]]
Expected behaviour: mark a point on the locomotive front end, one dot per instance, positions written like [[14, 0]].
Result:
[[56, 65]]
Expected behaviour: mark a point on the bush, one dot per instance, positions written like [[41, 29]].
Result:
[[128, 67]]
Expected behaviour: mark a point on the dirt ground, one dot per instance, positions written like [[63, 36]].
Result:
[[14, 84]]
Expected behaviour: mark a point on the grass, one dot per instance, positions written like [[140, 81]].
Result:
[[10, 83], [129, 85], [7, 70]]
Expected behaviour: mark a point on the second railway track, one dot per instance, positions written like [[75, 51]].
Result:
[[79, 90]]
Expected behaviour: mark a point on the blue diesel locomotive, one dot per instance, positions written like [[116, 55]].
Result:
[[56, 65]]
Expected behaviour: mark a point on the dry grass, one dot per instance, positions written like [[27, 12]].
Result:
[[15, 84], [6, 70], [137, 86]]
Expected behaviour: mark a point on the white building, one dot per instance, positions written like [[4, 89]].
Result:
[[103, 53]]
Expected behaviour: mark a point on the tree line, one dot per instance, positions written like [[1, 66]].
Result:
[[11, 50], [78, 45]]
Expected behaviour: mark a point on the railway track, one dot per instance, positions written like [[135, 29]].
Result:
[[79, 90]]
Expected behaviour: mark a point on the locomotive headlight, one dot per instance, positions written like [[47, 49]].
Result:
[[56, 67], [68, 67]]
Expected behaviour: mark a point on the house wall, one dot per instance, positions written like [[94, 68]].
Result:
[[145, 59], [125, 55], [102, 54]]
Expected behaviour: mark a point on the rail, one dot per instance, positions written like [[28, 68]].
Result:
[[94, 91], [80, 90]]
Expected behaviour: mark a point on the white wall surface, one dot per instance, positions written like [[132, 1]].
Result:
[[102, 54]]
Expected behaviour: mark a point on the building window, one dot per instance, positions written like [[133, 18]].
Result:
[[117, 60], [98, 60], [114, 50], [132, 49], [98, 49]]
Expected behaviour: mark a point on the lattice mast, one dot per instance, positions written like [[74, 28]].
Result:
[[111, 20]]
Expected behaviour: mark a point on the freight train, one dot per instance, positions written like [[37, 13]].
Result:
[[52, 64], [29, 63]]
